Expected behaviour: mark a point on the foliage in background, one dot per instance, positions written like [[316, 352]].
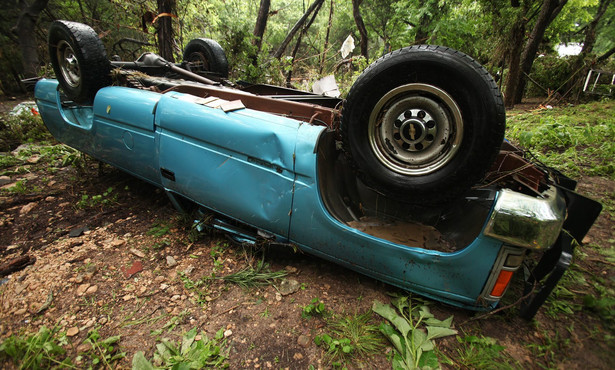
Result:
[[480, 28], [577, 140]]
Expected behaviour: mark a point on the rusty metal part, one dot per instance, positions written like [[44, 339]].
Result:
[[510, 165], [302, 111]]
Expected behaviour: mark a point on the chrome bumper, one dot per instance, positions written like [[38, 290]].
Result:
[[525, 221]]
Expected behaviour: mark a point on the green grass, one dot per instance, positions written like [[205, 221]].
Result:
[[350, 339], [482, 353], [193, 352], [46, 349], [577, 140], [250, 276]]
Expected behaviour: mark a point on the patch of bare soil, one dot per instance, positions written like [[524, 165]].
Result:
[[122, 263]]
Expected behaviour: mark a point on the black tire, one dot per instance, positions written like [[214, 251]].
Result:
[[207, 55], [423, 124], [79, 60]]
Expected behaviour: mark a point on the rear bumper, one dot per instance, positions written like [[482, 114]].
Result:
[[542, 279]]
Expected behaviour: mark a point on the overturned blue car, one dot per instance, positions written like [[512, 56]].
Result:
[[408, 180]]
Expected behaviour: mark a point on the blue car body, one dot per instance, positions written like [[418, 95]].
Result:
[[268, 172]]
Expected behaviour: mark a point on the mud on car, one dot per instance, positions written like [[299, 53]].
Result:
[[408, 180]]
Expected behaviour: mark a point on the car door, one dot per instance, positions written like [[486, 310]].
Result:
[[238, 163]]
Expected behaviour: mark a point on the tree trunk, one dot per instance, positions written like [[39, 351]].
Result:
[[25, 34], [514, 58], [590, 30], [606, 55], [261, 24], [296, 27], [548, 12], [324, 50], [167, 9], [356, 13], [303, 32]]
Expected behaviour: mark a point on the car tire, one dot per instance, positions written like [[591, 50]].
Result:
[[79, 60], [206, 55], [423, 124]]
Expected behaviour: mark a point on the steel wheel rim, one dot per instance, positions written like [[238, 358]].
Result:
[[199, 60], [69, 64], [415, 129]]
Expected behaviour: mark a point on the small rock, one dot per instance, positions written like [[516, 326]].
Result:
[[304, 340], [5, 180], [228, 333], [91, 290], [27, 208], [289, 286], [137, 252], [72, 331], [176, 297], [50, 199], [171, 262], [78, 231], [278, 296], [290, 269], [164, 286], [21, 311], [102, 321], [127, 297], [120, 242], [83, 348], [297, 356], [189, 270], [81, 289]]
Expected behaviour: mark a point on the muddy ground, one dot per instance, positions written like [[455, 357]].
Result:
[[108, 251]]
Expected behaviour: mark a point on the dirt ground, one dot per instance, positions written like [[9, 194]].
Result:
[[119, 260]]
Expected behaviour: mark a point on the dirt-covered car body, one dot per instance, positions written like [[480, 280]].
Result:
[[266, 176]]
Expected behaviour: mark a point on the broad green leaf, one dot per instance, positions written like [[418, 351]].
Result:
[[425, 313], [187, 341], [390, 314], [398, 342], [429, 360], [111, 340], [420, 341], [434, 332], [441, 323], [139, 362]]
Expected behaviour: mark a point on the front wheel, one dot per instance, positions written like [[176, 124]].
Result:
[[423, 124], [79, 60]]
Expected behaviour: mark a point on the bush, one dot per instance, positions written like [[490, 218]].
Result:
[[551, 72]]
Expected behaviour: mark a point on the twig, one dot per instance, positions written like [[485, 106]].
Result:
[[227, 310], [601, 261], [491, 313]]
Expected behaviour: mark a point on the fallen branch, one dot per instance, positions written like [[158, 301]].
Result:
[[16, 264]]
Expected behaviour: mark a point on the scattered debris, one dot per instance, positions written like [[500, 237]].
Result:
[[136, 267]]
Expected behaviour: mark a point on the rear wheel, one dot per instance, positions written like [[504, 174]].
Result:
[[206, 55], [79, 60], [423, 124]]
